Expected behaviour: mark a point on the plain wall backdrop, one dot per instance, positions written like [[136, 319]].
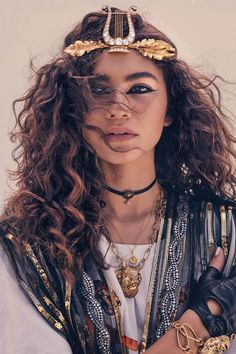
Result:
[[203, 30]]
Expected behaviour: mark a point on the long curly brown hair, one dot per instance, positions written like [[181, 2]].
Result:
[[57, 204]]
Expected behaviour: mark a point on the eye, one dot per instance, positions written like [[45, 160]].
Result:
[[140, 89], [100, 90]]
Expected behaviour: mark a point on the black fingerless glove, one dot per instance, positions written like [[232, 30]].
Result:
[[212, 285]]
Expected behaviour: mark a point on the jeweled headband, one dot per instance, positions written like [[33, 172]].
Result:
[[151, 48]]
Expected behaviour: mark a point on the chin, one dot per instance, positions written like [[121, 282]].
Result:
[[121, 158]]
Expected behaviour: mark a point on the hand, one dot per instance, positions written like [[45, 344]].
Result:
[[214, 298]]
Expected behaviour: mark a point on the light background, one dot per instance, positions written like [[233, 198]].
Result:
[[203, 30]]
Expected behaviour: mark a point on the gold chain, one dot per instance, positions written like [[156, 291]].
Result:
[[152, 281], [152, 237], [133, 259], [145, 255]]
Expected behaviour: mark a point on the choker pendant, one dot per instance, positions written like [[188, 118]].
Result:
[[129, 194]]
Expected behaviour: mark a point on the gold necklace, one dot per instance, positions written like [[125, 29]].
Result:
[[128, 275], [133, 259]]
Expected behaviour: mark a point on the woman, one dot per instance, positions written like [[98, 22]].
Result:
[[126, 194]]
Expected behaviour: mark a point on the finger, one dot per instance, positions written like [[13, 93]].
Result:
[[211, 273], [218, 259]]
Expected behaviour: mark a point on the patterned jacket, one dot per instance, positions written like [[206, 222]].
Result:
[[88, 315]]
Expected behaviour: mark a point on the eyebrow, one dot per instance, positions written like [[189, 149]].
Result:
[[133, 76], [140, 75]]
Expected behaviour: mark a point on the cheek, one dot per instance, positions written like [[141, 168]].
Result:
[[156, 112], [90, 119], [153, 135], [154, 105], [90, 135], [154, 119], [87, 135], [142, 103]]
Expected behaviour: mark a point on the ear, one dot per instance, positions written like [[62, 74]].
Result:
[[168, 121]]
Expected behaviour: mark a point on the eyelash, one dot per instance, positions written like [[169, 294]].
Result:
[[147, 90], [100, 90]]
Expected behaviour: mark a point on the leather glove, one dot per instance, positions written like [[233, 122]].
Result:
[[212, 285]]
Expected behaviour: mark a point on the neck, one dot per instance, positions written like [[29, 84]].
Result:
[[129, 177]]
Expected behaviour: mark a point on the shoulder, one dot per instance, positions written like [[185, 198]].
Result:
[[216, 212], [6, 237], [8, 278], [17, 312], [6, 269], [4, 228], [13, 260], [213, 220], [7, 230], [203, 200]]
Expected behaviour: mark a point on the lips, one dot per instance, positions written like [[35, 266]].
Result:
[[119, 130], [120, 134]]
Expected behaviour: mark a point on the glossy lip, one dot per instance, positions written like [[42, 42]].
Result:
[[119, 129], [120, 138]]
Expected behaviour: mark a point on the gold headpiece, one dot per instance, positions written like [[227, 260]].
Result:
[[151, 48]]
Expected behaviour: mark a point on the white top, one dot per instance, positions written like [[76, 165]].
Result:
[[24, 331]]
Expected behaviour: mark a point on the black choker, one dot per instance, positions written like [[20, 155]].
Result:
[[127, 195]]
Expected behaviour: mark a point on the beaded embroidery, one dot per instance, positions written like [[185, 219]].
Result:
[[95, 314], [169, 301]]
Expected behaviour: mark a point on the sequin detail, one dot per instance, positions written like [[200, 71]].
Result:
[[172, 277], [95, 314]]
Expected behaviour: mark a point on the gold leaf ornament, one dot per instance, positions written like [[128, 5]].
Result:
[[151, 48], [154, 48], [79, 48]]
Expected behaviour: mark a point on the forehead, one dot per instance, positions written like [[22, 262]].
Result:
[[120, 65]]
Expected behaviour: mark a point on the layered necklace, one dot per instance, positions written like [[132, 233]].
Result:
[[129, 272]]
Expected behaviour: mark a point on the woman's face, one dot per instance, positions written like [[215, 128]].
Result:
[[130, 107]]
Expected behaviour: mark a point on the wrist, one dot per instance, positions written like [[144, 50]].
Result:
[[192, 318]]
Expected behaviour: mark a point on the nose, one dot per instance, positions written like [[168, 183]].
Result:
[[119, 108]]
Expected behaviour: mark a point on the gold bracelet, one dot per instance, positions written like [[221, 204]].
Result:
[[182, 329], [216, 345]]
